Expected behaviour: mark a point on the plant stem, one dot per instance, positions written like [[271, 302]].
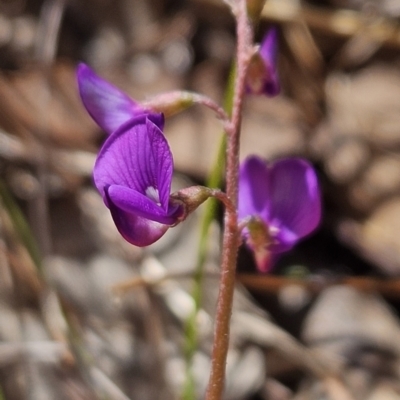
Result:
[[214, 180], [231, 233]]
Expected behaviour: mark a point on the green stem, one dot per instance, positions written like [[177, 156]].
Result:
[[21, 226]]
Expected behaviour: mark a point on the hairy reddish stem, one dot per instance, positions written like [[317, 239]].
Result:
[[173, 102], [231, 237]]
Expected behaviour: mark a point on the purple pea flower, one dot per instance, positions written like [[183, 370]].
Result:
[[133, 173], [109, 106], [263, 76], [133, 170], [279, 203]]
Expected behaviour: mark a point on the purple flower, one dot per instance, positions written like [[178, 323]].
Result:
[[281, 201], [263, 76], [106, 104], [133, 173]]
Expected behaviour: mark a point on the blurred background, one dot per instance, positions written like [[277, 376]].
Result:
[[85, 315]]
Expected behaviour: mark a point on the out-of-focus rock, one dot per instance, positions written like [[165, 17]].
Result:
[[347, 159], [360, 333], [272, 128], [9, 324], [365, 105], [274, 390], [377, 238], [345, 322], [385, 392], [356, 141], [380, 180], [357, 145], [246, 371]]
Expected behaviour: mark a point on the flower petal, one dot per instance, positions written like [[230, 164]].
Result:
[[133, 202], [138, 157], [269, 52], [109, 106], [135, 229], [253, 188], [295, 201]]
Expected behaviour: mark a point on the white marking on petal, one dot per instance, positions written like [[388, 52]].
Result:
[[152, 193], [273, 230], [273, 233]]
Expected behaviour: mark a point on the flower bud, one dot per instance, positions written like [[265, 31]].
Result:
[[262, 77], [254, 8]]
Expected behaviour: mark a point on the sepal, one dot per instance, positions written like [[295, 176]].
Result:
[[259, 240], [190, 198]]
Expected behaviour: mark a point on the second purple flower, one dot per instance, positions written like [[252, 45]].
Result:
[[281, 203]]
